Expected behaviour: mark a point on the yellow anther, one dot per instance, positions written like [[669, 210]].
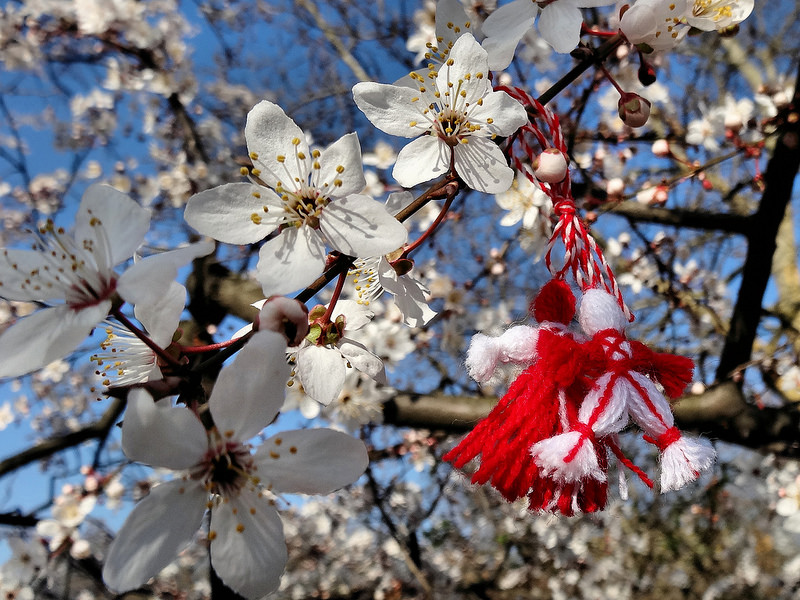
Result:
[[255, 172], [412, 124], [255, 218], [450, 62], [296, 141], [337, 182], [256, 194], [301, 155], [212, 535], [254, 155], [242, 170], [240, 528], [340, 169], [315, 153], [280, 158]]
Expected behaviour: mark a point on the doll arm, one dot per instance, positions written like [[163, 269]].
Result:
[[517, 345]]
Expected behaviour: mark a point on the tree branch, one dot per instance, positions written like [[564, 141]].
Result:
[[779, 180], [97, 430]]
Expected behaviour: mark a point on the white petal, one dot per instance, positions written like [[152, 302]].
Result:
[[356, 315], [470, 66], [162, 318], [146, 281], [248, 551], [250, 391], [506, 17], [159, 436], [310, 461], [450, 11], [507, 114], [482, 166], [46, 335], [560, 26], [322, 372], [153, 534], [225, 213], [269, 133], [409, 296], [421, 160], [345, 153], [291, 261], [360, 226], [390, 108], [362, 359], [123, 221], [504, 28], [17, 269]]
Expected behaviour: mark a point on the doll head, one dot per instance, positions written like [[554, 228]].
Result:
[[600, 310], [555, 302]]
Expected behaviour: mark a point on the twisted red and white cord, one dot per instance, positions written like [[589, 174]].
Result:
[[582, 256]]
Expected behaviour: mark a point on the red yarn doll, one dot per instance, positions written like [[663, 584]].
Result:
[[542, 402], [626, 389]]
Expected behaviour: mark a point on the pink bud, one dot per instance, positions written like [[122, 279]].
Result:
[[661, 148], [633, 109], [550, 166], [286, 316]]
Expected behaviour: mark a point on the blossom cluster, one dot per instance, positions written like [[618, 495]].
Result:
[[314, 215]]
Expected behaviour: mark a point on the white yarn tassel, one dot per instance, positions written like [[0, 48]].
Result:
[[551, 454], [482, 357], [683, 461]]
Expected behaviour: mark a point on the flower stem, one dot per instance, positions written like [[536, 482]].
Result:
[[326, 318]]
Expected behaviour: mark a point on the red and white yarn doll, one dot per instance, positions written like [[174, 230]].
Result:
[[625, 390], [542, 402]]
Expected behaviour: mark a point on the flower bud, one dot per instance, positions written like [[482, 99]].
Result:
[[633, 109], [615, 187], [653, 196], [550, 166], [661, 148], [286, 316]]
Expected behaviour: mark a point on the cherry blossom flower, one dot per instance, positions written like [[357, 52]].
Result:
[[78, 271], [455, 115], [223, 475], [372, 276], [559, 24], [325, 355], [310, 196], [711, 15], [69, 511], [655, 23], [125, 359]]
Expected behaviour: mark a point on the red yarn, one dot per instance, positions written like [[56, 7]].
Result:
[[555, 303], [670, 436], [528, 413]]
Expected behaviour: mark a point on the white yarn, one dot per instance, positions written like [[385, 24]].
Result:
[[600, 310], [518, 345], [549, 455], [482, 357], [683, 460]]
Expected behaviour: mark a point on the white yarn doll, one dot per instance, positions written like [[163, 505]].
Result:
[[625, 390]]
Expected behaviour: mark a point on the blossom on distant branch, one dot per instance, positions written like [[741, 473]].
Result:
[[454, 115], [221, 474], [310, 196]]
